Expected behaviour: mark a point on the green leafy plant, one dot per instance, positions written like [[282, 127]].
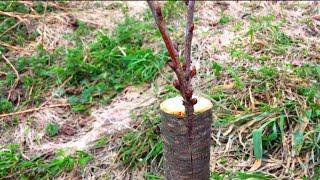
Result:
[[238, 82], [257, 176], [224, 19], [5, 106], [216, 69], [239, 175], [101, 143], [52, 129]]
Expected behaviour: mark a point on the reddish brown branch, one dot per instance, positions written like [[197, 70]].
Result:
[[175, 65], [184, 73], [157, 14], [188, 39], [187, 58]]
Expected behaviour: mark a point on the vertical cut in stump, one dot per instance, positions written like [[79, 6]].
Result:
[[180, 160]]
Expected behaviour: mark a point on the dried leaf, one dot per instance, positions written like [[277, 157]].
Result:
[[256, 165]]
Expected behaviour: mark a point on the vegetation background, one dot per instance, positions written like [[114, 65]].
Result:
[[81, 84]]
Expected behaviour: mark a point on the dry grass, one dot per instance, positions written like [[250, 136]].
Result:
[[233, 150], [215, 38]]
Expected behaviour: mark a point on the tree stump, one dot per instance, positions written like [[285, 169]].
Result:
[[182, 159]]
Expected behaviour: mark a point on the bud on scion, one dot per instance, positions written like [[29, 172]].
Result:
[[194, 101], [191, 27], [172, 65], [189, 93], [176, 84], [184, 67], [175, 45], [186, 78], [193, 72]]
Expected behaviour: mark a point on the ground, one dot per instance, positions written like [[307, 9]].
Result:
[[82, 83]]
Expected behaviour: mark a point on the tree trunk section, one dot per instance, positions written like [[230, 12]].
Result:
[[180, 160]]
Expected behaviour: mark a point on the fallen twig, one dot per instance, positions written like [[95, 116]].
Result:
[[33, 110], [2, 73], [44, 24], [19, 16], [9, 29], [17, 76], [15, 48]]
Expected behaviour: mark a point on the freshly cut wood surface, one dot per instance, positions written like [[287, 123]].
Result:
[[174, 106]]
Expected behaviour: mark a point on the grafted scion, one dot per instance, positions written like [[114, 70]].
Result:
[[183, 72]]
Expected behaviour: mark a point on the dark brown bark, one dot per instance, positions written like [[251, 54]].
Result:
[[174, 132]]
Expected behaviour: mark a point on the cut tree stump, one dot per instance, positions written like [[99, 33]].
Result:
[[186, 157]]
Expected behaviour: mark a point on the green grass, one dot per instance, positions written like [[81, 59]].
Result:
[[12, 31], [52, 129], [216, 69], [94, 71], [99, 69], [264, 35], [278, 42], [91, 72], [273, 113], [142, 146], [5, 106], [150, 176], [224, 19], [173, 10], [14, 166], [101, 142], [238, 176]]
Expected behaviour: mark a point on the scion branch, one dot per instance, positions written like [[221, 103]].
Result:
[[184, 73]]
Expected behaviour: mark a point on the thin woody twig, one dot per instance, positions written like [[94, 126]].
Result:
[[15, 48], [9, 29], [174, 64], [156, 11], [33, 110], [187, 58], [188, 38], [17, 76], [184, 73], [181, 84], [44, 23]]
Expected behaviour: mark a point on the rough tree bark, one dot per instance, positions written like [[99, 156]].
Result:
[[177, 148], [184, 74]]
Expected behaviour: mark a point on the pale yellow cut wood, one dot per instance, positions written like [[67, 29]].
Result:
[[175, 106]]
